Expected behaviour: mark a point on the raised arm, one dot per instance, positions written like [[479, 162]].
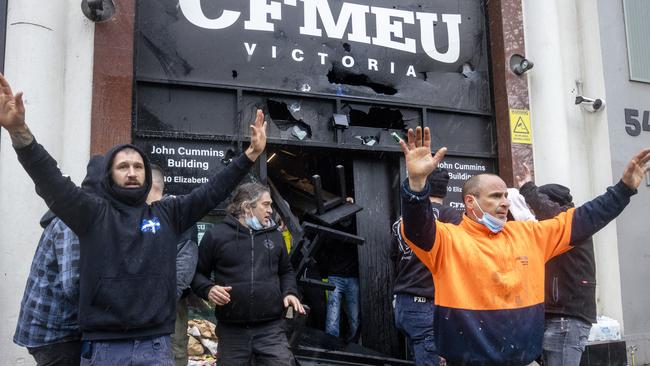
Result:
[[417, 217], [595, 214], [541, 204], [12, 115], [70, 203], [190, 208]]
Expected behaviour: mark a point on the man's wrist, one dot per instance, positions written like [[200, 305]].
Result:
[[251, 154], [417, 184], [21, 136]]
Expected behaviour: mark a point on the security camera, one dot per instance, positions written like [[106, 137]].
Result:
[[519, 64], [589, 104], [98, 10]]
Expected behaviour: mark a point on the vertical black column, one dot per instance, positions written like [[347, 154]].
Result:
[[374, 192], [3, 33]]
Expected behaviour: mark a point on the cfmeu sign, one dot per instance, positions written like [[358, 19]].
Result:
[[350, 23]]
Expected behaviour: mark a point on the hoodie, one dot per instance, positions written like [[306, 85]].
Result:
[[49, 308], [256, 265], [570, 279], [128, 248]]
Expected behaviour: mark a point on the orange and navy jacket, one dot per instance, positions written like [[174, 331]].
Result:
[[490, 287]]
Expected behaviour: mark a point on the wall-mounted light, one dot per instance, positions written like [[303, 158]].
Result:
[[519, 64], [98, 10]]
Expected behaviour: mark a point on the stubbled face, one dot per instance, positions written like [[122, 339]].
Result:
[[127, 170], [492, 198], [263, 209]]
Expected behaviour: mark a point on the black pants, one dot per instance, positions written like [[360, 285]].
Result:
[[58, 354], [264, 344]]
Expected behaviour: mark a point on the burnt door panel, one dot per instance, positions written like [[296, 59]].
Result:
[[374, 192]]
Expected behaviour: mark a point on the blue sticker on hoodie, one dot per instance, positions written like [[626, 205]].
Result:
[[150, 225]]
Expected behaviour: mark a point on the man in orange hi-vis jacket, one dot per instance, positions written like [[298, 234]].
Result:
[[489, 273]]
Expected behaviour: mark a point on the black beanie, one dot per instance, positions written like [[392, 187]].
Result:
[[438, 180], [557, 193]]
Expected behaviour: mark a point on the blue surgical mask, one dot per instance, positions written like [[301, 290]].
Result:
[[253, 222], [493, 223]]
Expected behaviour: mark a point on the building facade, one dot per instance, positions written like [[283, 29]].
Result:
[[90, 85]]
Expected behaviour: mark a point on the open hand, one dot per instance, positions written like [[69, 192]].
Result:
[[419, 162], [293, 301], [220, 294], [258, 136], [527, 177], [636, 169], [12, 108]]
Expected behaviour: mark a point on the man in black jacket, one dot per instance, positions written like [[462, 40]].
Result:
[[414, 288], [128, 248], [253, 281], [569, 283]]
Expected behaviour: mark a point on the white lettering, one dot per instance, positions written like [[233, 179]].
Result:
[[335, 29], [184, 163], [259, 10], [428, 40], [322, 57], [411, 71], [372, 64], [250, 49], [392, 67], [389, 25], [162, 150], [294, 55], [387, 28], [347, 61], [191, 9], [274, 52]]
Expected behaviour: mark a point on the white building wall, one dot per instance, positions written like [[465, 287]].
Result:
[[49, 51], [584, 40]]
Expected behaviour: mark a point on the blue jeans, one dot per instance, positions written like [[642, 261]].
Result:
[[347, 287], [414, 318], [565, 339], [134, 352]]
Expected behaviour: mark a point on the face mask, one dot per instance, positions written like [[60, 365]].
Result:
[[493, 223], [253, 223]]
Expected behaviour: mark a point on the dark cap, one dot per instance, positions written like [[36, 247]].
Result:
[[557, 193], [438, 180]]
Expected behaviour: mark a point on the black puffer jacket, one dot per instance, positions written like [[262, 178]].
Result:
[[254, 263], [570, 278]]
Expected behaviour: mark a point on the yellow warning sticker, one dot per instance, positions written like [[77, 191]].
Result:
[[520, 126]]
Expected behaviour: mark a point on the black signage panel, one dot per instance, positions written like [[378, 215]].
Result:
[[187, 164], [429, 53], [460, 170], [185, 109], [463, 133]]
